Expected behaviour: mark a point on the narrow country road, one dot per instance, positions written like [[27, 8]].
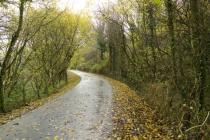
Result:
[[81, 114]]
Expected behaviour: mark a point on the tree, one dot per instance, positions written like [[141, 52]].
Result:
[[7, 59], [54, 47], [101, 39]]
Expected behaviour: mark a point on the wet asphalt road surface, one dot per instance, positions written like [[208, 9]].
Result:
[[83, 113]]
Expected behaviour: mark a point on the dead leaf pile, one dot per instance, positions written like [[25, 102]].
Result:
[[133, 119]]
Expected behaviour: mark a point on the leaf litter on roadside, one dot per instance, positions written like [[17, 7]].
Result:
[[133, 119]]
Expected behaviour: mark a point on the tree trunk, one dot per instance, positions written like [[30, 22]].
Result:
[[9, 53], [152, 38], [46, 89], [170, 12], [2, 107], [203, 56], [110, 57], [102, 54], [66, 76], [199, 43], [24, 95]]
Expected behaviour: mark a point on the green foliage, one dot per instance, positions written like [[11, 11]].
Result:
[[88, 59], [161, 48], [99, 67], [38, 63], [158, 2]]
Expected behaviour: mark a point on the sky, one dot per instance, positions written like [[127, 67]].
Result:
[[78, 5], [82, 5]]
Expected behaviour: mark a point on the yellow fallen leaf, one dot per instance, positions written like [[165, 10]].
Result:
[[134, 138], [55, 138]]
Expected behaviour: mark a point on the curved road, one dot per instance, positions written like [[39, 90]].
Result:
[[83, 113]]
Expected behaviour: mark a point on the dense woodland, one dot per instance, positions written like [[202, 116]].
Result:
[[161, 48], [37, 42]]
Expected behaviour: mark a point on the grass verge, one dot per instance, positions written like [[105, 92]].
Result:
[[73, 80]]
